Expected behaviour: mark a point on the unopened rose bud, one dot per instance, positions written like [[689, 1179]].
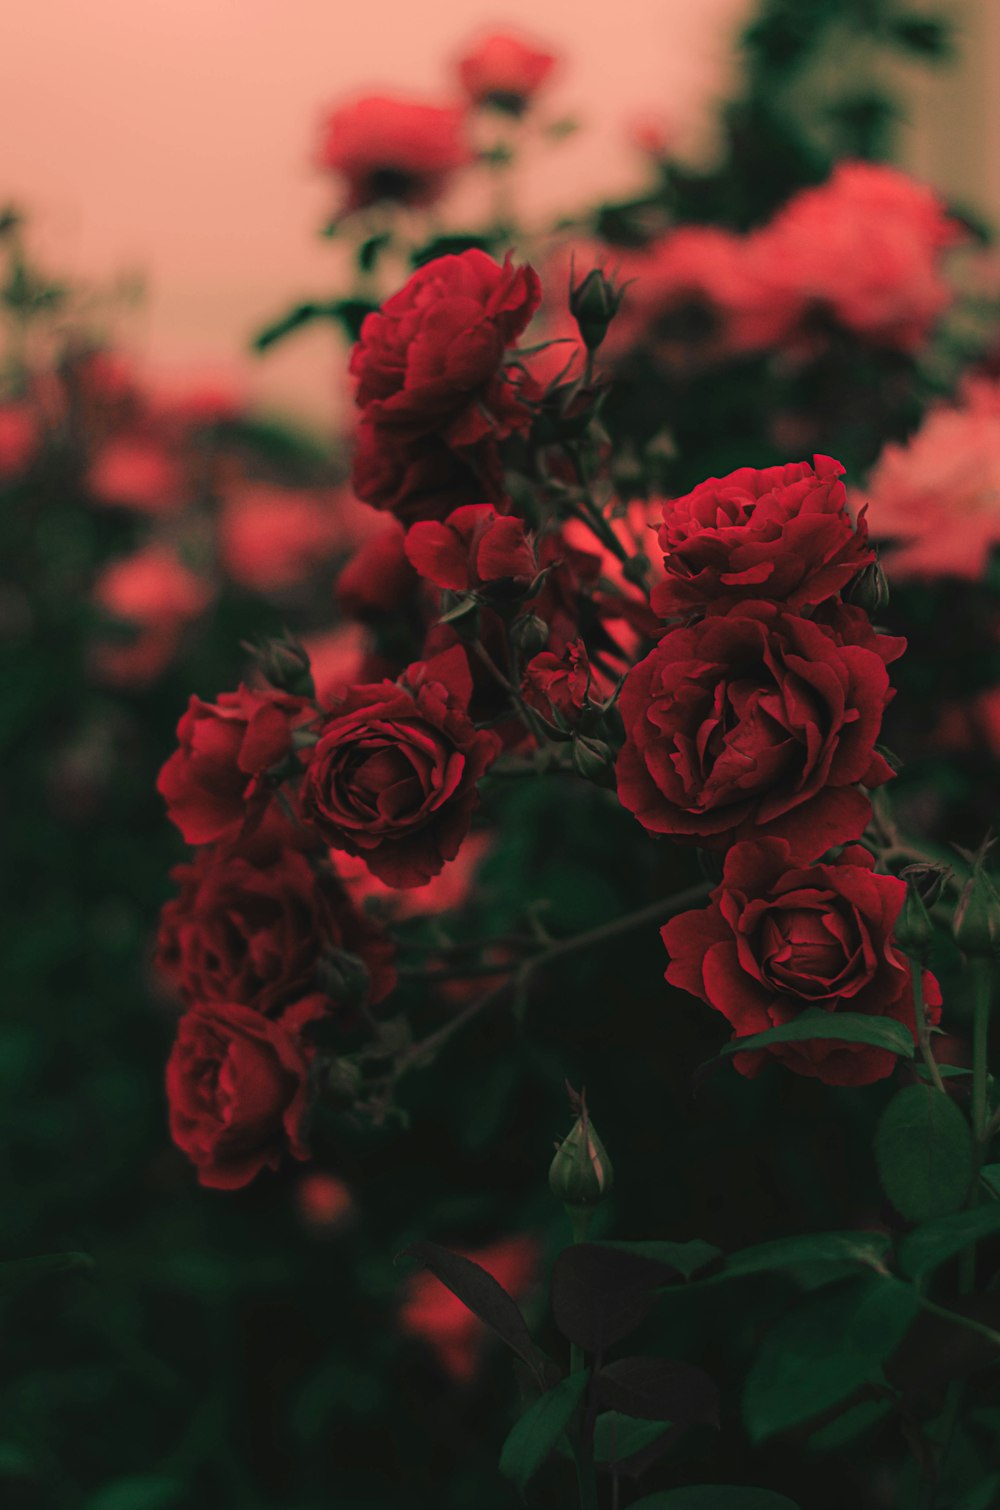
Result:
[[914, 930], [341, 1083], [593, 305], [284, 663], [529, 634], [593, 760], [343, 977], [580, 1175], [976, 927], [869, 589]]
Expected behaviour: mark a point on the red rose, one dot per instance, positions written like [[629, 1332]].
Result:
[[435, 395], [153, 592], [393, 776], [558, 682], [236, 1089], [255, 933], [272, 538], [781, 533], [378, 579], [472, 547], [775, 940], [757, 722], [394, 149], [216, 781], [505, 71]]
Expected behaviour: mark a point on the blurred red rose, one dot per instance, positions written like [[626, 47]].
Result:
[[389, 148], [324, 1203], [216, 782], [504, 70], [935, 499], [156, 593], [138, 474], [434, 394], [473, 547], [781, 533], [393, 775], [272, 538], [18, 439], [434, 1315], [776, 940], [254, 933], [379, 578], [757, 723], [445, 892], [236, 1090]]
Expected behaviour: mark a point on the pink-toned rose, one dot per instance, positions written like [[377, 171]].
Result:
[[154, 592], [384, 147], [471, 549], [504, 70], [272, 538]]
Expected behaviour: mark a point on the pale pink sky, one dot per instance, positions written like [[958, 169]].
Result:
[[173, 138]]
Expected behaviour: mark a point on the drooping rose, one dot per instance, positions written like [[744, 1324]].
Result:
[[438, 1318], [472, 548], [780, 533], [236, 1090], [435, 396], [393, 775], [504, 70], [758, 723], [216, 781], [777, 939], [396, 149], [255, 932]]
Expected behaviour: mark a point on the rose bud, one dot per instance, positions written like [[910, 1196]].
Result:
[[343, 976], [914, 930], [284, 664], [870, 589], [976, 926], [529, 634], [581, 1175], [594, 760], [593, 304]]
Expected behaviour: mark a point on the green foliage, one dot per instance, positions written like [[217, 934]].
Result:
[[714, 1497], [924, 1150], [840, 1027], [923, 1251], [539, 1430]]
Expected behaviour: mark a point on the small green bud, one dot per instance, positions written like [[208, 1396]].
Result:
[[581, 1173], [593, 305], [593, 760], [914, 930], [976, 926], [869, 589], [341, 1084], [284, 663], [529, 634], [343, 977]]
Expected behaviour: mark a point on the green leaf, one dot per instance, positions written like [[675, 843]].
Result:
[[138, 1492], [984, 1496], [990, 1176], [841, 1027], [617, 1436], [849, 1425], [539, 1429], [686, 1258], [931, 1245], [823, 1350], [715, 1497], [806, 1256], [21, 1272], [924, 1153]]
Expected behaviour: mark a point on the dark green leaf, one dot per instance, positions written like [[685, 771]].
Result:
[[618, 1436], [540, 1428], [850, 1425], [841, 1027], [139, 1492], [370, 250], [923, 1149], [600, 1294], [808, 1256], [658, 1389], [18, 1273], [715, 1497], [686, 1258], [932, 1244], [823, 1350]]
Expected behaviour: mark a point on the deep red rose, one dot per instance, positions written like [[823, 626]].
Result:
[[255, 933], [436, 1316], [399, 149], [558, 682], [780, 533], [393, 776], [216, 781], [776, 940], [435, 396], [236, 1089], [378, 579], [474, 546], [504, 70], [758, 722]]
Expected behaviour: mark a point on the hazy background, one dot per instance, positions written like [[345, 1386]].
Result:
[[173, 138]]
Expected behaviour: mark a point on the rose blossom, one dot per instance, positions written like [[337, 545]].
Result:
[[781, 533], [472, 548], [776, 940], [154, 592], [393, 775], [138, 474], [216, 782], [434, 394], [379, 578], [504, 70], [254, 933], [19, 439], [757, 722], [272, 538], [436, 1316], [236, 1089], [936, 497], [390, 148], [558, 683]]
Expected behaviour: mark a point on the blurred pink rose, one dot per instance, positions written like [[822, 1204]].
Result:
[[139, 474], [18, 439], [272, 538], [504, 70], [156, 593], [384, 147]]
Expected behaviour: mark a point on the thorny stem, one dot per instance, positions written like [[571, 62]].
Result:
[[520, 975]]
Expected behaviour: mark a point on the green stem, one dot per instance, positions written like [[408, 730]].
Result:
[[967, 1322], [924, 1028], [982, 985]]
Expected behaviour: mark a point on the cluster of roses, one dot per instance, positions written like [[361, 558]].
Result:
[[752, 728]]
